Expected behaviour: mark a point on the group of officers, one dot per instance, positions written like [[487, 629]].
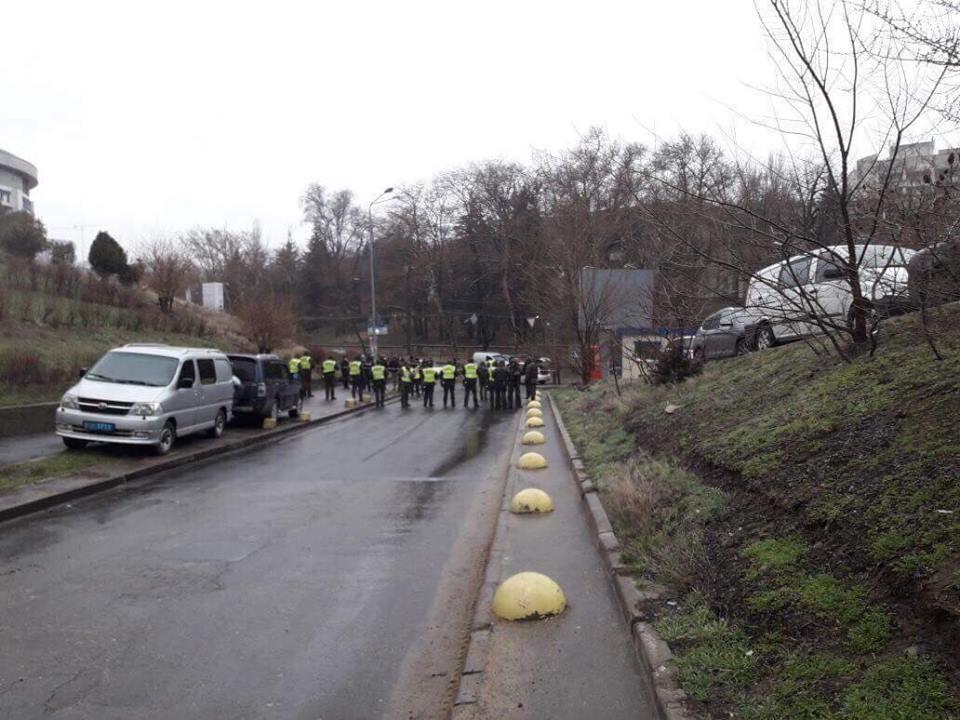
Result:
[[496, 382]]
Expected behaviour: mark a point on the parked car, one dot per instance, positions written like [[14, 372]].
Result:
[[146, 394], [544, 371], [265, 387], [721, 335], [935, 274], [481, 357], [785, 300]]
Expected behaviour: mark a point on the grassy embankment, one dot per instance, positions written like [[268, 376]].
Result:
[[806, 512], [45, 339]]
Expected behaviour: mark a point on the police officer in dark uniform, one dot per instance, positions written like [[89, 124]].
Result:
[[500, 379], [483, 377], [513, 385], [345, 373], [530, 374]]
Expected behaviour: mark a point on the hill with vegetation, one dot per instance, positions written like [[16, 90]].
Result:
[[805, 513], [57, 320]]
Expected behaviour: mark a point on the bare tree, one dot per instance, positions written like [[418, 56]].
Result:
[[168, 271], [268, 317]]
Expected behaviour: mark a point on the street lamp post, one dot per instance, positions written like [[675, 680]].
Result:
[[373, 277]]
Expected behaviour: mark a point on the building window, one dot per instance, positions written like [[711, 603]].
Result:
[[26, 204], [6, 197]]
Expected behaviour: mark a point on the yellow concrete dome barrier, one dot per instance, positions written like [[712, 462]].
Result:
[[534, 404], [304, 417], [532, 461], [534, 437], [534, 422], [349, 403], [528, 596], [531, 500], [534, 412]]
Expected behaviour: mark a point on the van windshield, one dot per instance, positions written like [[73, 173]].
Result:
[[134, 369]]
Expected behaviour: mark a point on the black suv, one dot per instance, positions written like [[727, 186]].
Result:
[[266, 388]]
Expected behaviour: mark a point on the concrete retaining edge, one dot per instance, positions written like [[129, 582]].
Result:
[[236, 446], [652, 651], [19, 420]]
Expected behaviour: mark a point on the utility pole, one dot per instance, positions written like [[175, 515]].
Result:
[[373, 277]]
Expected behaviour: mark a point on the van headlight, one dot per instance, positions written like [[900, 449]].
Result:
[[145, 409], [69, 402]]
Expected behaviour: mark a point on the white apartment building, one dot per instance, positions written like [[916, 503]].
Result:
[[17, 179]]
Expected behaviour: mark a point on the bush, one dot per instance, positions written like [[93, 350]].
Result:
[[674, 365], [106, 256], [21, 368]]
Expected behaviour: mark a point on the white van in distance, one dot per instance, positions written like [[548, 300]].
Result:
[[144, 394]]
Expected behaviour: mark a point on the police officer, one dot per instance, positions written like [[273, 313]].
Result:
[[345, 372], [378, 372], [293, 366], [530, 374], [470, 376], [500, 377], [356, 378], [482, 377], [406, 380], [306, 373], [448, 378], [417, 377], [513, 385], [330, 378], [394, 367], [429, 382], [367, 374]]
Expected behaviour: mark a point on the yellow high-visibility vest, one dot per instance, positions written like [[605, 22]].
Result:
[[379, 372], [405, 375], [305, 362], [354, 367], [449, 372], [470, 371], [329, 366], [429, 375], [416, 372], [293, 366]]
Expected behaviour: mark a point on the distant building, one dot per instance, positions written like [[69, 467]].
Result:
[[916, 165], [17, 179], [211, 295]]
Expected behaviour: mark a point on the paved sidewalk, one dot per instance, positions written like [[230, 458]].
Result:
[[580, 664]]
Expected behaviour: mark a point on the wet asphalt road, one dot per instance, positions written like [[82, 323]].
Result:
[[289, 582]]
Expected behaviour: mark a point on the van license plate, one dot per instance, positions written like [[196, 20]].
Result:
[[99, 426]]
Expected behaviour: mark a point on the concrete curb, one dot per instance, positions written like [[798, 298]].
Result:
[[19, 420], [236, 446], [652, 651]]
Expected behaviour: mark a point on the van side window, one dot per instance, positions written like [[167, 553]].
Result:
[[208, 373], [188, 371], [224, 370], [796, 272]]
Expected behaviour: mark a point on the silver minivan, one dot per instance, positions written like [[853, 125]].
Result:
[[145, 394]]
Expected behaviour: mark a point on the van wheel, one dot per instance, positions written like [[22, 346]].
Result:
[[74, 443], [698, 356], [218, 425], [167, 437], [275, 410], [297, 408], [742, 348], [765, 337]]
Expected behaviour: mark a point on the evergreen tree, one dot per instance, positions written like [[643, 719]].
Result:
[[106, 256]]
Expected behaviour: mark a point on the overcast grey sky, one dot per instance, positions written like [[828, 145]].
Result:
[[146, 121]]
